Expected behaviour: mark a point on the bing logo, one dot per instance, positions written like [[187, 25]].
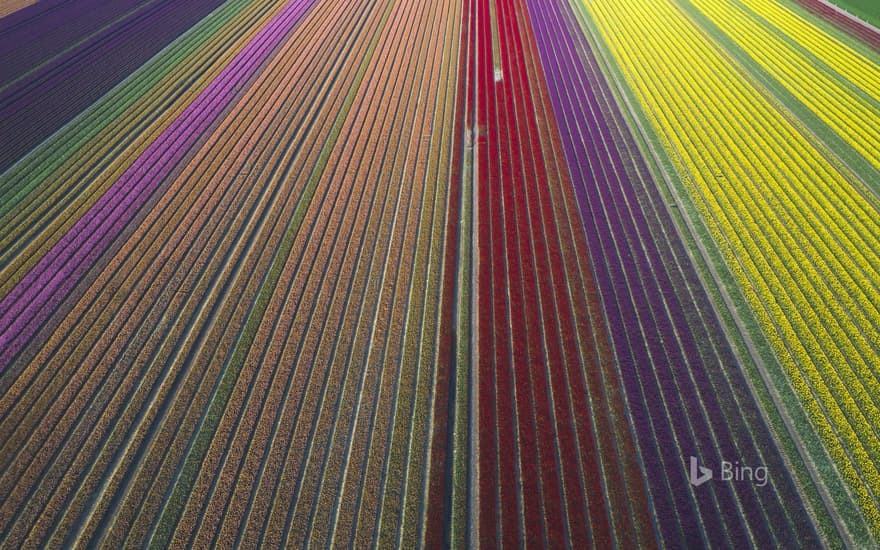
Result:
[[730, 471]]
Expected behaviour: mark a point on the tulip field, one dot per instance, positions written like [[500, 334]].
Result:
[[462, 273]]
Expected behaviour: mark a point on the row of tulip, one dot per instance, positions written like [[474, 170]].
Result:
[[48, 191], [795, 231], [13, 6], [64, 419], [556, 457], [21, 394], [845, 95], [634, 248], [851, 59], [254, 361], [852, 26], [58, 58], [61, 266]]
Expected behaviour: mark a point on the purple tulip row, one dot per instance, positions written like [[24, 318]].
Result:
[[58, 26], [37, 104], [681, 396], [28, 305]]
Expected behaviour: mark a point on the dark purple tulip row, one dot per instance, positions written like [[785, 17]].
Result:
[[18, 21], [54, 28], [40, 103], [28, 13], [682, 397], [31, 302]]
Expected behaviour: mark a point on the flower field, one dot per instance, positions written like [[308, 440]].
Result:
[[840, 19], [490, 273]]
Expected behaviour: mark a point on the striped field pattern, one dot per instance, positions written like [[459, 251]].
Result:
[[462, 273]]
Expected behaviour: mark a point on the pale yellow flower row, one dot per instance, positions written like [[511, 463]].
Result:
[[801, 241], [854, 118]]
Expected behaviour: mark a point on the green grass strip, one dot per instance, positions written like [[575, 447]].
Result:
[[866, 10], [495, 38], [184, 483], [49, 156], [461, 427], [750, 345]]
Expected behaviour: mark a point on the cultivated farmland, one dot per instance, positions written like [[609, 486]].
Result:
[[543, 273]]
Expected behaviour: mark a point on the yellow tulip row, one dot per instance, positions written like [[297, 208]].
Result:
[[857, 121], [849, 63], [800, 240]]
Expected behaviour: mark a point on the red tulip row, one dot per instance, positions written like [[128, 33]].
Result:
[[548, 445]]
